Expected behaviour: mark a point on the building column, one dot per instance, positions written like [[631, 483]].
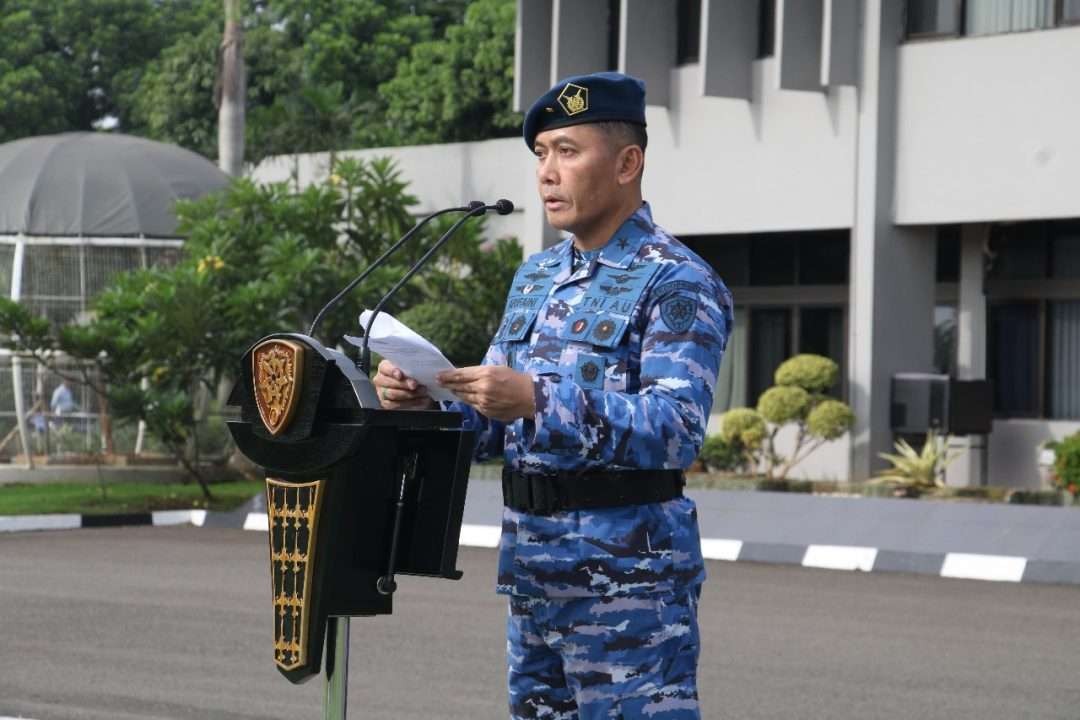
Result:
[[970, 467], [891, 292]]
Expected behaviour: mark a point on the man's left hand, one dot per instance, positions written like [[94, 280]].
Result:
[[495, 390]]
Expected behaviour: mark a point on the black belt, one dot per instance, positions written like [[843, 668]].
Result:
[[548, 493]]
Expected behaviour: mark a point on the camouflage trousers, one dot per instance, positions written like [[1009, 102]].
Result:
[[588, 658]]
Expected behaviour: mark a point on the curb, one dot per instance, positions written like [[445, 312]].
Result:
[[22, 523], [958, 565]]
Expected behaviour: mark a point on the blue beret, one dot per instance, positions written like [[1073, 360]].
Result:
[[599, 97]]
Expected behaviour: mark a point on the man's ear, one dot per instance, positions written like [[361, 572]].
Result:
[[629, 164]]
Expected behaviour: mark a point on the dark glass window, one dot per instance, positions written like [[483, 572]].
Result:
[[766, 28], [824, 258], [1063, 360], [1070, 11], [614, 10], [948, 253], [945, 339], [933, 17], [689, 32], [770, 345], [1013, 358], [821, 331], [1065, 251], [729, 255], [772, 259], [1019, 251]]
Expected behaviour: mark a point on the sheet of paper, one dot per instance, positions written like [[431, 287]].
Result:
[[407, 349]]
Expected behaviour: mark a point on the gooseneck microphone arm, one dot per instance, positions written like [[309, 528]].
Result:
[[502, 207], [383, 258]]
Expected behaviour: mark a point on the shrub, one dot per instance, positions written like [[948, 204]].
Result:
[[918, 470], [783, 404], [719, 454], [813, 373], [1067, 464], [830, 420]]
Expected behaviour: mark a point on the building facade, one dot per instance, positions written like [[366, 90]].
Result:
[[895, 185]]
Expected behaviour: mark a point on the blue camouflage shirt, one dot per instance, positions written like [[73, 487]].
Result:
[[624, 352]]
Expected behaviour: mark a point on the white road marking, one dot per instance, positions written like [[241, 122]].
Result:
[[1003, 568], [720, 549], [840, 557]]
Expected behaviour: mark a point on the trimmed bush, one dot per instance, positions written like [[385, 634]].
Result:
[[813, 373], [719, 454], [783, 404], [830, 420]]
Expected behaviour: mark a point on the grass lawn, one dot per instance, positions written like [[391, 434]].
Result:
[[26, 499]]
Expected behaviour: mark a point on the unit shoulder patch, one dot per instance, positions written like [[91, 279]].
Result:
[[678, 312]]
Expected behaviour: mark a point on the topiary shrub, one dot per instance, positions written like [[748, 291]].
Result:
[[1067, 464], [720, 455], [798, 397], [813, 373], [744, 430]]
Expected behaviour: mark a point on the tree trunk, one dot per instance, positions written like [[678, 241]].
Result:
[[231, 92]]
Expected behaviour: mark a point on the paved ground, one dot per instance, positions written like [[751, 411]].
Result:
[[175, 623]]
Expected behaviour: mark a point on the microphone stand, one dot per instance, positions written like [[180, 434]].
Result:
[[383, 258], [503, 207]]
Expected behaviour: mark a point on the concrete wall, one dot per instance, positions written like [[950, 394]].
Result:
[[1013, 449], [784, 161], [444, 176], [989, 128]]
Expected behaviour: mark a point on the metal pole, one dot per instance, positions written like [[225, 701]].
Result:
[[337, 668]]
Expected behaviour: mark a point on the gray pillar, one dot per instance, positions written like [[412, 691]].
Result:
[[532, 52], [798, 44], [579, 38], [970, 467], [729, 44], [647, 47], [891, 292]]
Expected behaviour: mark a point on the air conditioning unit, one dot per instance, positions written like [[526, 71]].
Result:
[[925, 401]]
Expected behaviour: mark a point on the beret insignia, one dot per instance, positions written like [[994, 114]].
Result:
[[574, 99]]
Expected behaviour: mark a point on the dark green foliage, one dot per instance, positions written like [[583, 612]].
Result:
[[1067, 464], [718, 454], [321, 74], [260, 259]]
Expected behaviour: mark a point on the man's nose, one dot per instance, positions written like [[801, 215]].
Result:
[[546, 172]]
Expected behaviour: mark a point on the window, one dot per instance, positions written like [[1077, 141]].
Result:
[[766, 28], [930, 18], [1070, 12], [927, 18], [770, 345], [821, 331], [687, 47], [1033, 338], [1013, 358], [948, 254], [945, 339], [773, 259]]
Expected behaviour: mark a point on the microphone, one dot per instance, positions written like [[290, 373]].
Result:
[[476, 208], [386, 256]]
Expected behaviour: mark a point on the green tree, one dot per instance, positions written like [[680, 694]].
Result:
[[260, 259], [459, 87], [67, 64]]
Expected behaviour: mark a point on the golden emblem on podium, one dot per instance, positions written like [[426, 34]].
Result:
[[277, 369], [574, 99]]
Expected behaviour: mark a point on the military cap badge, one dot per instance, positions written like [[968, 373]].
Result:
[[574, 99]]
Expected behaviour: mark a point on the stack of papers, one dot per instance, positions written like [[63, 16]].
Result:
[[407, 349]]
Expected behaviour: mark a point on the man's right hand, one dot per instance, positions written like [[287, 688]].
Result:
[[398, 391]]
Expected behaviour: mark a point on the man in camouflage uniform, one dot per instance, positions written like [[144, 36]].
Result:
[[596, 391]]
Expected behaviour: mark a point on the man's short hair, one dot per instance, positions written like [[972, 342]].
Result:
[[625, 133]]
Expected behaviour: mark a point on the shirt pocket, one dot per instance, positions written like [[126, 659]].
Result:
[[594, 350]]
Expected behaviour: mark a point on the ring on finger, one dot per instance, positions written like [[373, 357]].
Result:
[[382, 394]]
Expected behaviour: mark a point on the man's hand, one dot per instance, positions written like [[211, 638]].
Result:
[[398, 391], [495, 390]]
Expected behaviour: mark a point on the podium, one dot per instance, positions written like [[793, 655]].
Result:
[[355, 494]]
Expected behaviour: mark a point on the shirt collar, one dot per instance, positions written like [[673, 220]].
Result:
[[618, 252], [623, 247]]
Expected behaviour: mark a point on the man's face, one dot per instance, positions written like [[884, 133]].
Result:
[[577, 176]]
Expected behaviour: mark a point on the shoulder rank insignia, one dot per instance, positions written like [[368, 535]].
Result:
[[574, 99]]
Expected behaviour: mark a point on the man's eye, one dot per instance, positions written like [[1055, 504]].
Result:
[[566, 151]]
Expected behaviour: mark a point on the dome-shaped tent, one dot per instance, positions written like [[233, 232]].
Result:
[[75, 210]]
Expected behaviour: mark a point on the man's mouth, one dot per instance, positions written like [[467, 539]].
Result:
[[554, 203]]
